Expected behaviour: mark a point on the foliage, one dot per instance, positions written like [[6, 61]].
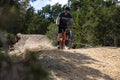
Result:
[[38, 25], [10, 39], [16, 16], [34, 70], [51, 12], [27, 68], [52, 33], [97, 22], [8, 10]]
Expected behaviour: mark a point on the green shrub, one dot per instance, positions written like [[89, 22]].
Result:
[[10, 39], [52, 33], [33, 69], [26, 68]]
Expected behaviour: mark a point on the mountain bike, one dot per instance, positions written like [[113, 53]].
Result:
[[68, 34]]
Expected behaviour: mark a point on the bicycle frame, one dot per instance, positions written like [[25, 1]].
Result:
[[67, 35]]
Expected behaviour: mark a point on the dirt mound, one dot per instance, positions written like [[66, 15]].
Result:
[[32, 42]]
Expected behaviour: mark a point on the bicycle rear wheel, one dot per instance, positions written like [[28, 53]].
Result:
[[70, 39]]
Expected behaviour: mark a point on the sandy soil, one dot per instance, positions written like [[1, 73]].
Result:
[[31, 42], [98, 63]]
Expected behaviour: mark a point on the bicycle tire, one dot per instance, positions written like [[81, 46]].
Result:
[[70, 39]]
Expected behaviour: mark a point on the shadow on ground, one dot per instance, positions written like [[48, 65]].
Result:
[[71, 66]]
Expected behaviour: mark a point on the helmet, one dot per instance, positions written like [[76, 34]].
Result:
[[67, 8]]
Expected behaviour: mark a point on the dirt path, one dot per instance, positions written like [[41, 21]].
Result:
[[100, 63]]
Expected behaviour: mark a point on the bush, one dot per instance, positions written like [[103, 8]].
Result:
[[27, 68], [52, 33], [33, 68], [10, 39]]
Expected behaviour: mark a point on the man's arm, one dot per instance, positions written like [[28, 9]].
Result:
[[58, 20]]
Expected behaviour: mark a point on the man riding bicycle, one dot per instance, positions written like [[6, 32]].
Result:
[[61, 21]]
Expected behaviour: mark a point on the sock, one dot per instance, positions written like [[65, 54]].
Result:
[[58, 42]]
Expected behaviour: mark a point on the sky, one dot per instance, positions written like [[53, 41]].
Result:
[[41, 3]]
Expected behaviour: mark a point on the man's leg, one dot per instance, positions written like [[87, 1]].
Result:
[[58, 38], [59, 35]]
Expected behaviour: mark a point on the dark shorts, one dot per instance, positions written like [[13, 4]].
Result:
[[61, 29]]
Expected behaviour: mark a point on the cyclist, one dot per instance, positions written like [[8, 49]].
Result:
[[61, 21]]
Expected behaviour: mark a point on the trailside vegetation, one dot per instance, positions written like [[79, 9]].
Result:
[[97, 22]]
